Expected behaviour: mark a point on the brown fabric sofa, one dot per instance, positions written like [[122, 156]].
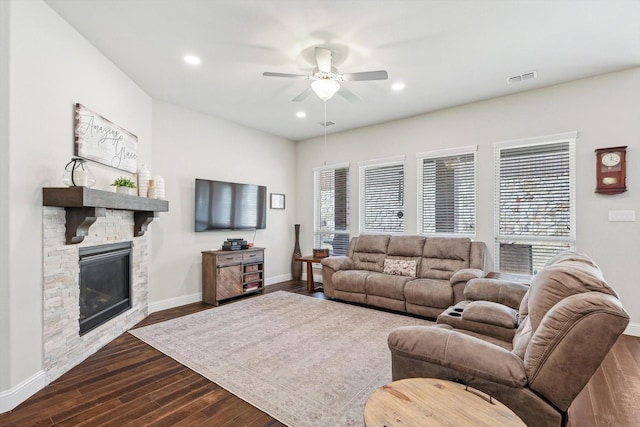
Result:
[[412, 274], [568, 321]]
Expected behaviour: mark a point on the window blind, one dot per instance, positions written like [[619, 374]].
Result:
[[382, 198], [331, 228], [446, 195], [535, 204]]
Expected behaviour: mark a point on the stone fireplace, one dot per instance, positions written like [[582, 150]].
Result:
[[79, 225], [64, 346]]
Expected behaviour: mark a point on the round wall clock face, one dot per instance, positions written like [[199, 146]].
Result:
[[610, 159]]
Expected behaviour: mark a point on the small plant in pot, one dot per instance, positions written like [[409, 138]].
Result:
[[125, 185]]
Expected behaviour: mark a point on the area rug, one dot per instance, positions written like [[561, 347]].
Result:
[[303, 360]]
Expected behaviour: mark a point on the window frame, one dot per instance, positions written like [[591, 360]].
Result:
[[439, 154], [318, 228], [568, 138], [373, 164]]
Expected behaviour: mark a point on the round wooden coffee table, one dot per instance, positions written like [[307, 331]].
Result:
[[434, 402]]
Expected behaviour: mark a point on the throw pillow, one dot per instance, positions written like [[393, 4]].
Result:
[[400, 267]]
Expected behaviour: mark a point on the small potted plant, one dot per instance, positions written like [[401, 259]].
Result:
[[125, 185]]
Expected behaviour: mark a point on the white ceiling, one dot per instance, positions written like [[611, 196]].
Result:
[[446, 52]]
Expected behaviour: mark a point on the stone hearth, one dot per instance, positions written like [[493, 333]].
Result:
[[64, 348]]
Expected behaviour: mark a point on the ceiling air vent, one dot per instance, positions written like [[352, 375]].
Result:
[[326, 124], [522, 77]]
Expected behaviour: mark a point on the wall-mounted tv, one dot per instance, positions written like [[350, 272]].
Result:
[[221, 205]]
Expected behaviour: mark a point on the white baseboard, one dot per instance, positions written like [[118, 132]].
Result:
[[633, 329], [174, 302], [197, 297], [11, 398], [277, 279]]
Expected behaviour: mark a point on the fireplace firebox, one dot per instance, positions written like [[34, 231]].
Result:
[[105, 282]]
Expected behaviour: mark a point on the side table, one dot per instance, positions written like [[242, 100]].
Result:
[[310, 260], [435, 402]]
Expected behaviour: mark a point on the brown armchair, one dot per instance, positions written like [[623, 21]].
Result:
[[568, 321]]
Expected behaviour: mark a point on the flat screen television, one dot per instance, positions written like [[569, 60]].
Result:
[[221, 205]]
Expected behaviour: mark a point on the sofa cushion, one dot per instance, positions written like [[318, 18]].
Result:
[[442, 257], [400, 267], [350, 280], [370, 252], [429, 292], [406, 246], [386, 285]]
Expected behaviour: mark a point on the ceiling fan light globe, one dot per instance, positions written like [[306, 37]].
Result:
[[325, 88]]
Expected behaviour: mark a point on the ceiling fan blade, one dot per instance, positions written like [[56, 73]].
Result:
[[292, 76], [303, 95], [348, 95], [367, 75], [323, 58]]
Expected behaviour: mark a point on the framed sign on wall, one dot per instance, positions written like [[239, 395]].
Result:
[[102, 141]]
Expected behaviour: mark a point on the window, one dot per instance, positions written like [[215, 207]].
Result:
[[331, 219], [534, 201], [447, 192], [382, 196]]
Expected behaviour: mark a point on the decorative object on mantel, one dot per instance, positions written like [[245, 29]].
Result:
[[78, 174], [84, 205], [152, 193], [143, 181], [296, 266], [159, 187], [102, 141], [125, 186]]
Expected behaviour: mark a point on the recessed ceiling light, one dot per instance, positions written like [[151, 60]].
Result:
[[301, 114], [192, 60], [397, 86]]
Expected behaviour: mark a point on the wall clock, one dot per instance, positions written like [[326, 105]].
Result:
[[611, 170]]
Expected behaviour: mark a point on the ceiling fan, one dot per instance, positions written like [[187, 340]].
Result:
[[326, 80]]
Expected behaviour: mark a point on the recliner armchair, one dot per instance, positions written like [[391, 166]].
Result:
[[568, 321]]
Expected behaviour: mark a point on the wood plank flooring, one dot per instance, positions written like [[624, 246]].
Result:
[[128, 383]]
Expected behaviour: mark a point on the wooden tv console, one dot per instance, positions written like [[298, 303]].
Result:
[[228, 274]]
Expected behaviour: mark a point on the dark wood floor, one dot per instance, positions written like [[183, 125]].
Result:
[[128, 383]]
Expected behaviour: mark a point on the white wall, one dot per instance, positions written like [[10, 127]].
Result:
[[4, 194], [51, 68], [189, 145], [604, 110]]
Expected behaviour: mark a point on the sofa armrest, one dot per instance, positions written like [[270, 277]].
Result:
[[459, 281], [329, 266], [337, 263], [453, 350], [466, 274], [491, 313], [501, 291]]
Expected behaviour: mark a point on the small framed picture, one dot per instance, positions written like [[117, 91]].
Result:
[[277, 201]]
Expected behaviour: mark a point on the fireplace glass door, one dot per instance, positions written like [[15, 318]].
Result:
[[105, 276]]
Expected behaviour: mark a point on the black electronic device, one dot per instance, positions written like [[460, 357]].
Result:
[[230, 246], [235, 245], [223, 205]]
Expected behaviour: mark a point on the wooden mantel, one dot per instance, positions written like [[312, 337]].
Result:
[[84, 205]]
